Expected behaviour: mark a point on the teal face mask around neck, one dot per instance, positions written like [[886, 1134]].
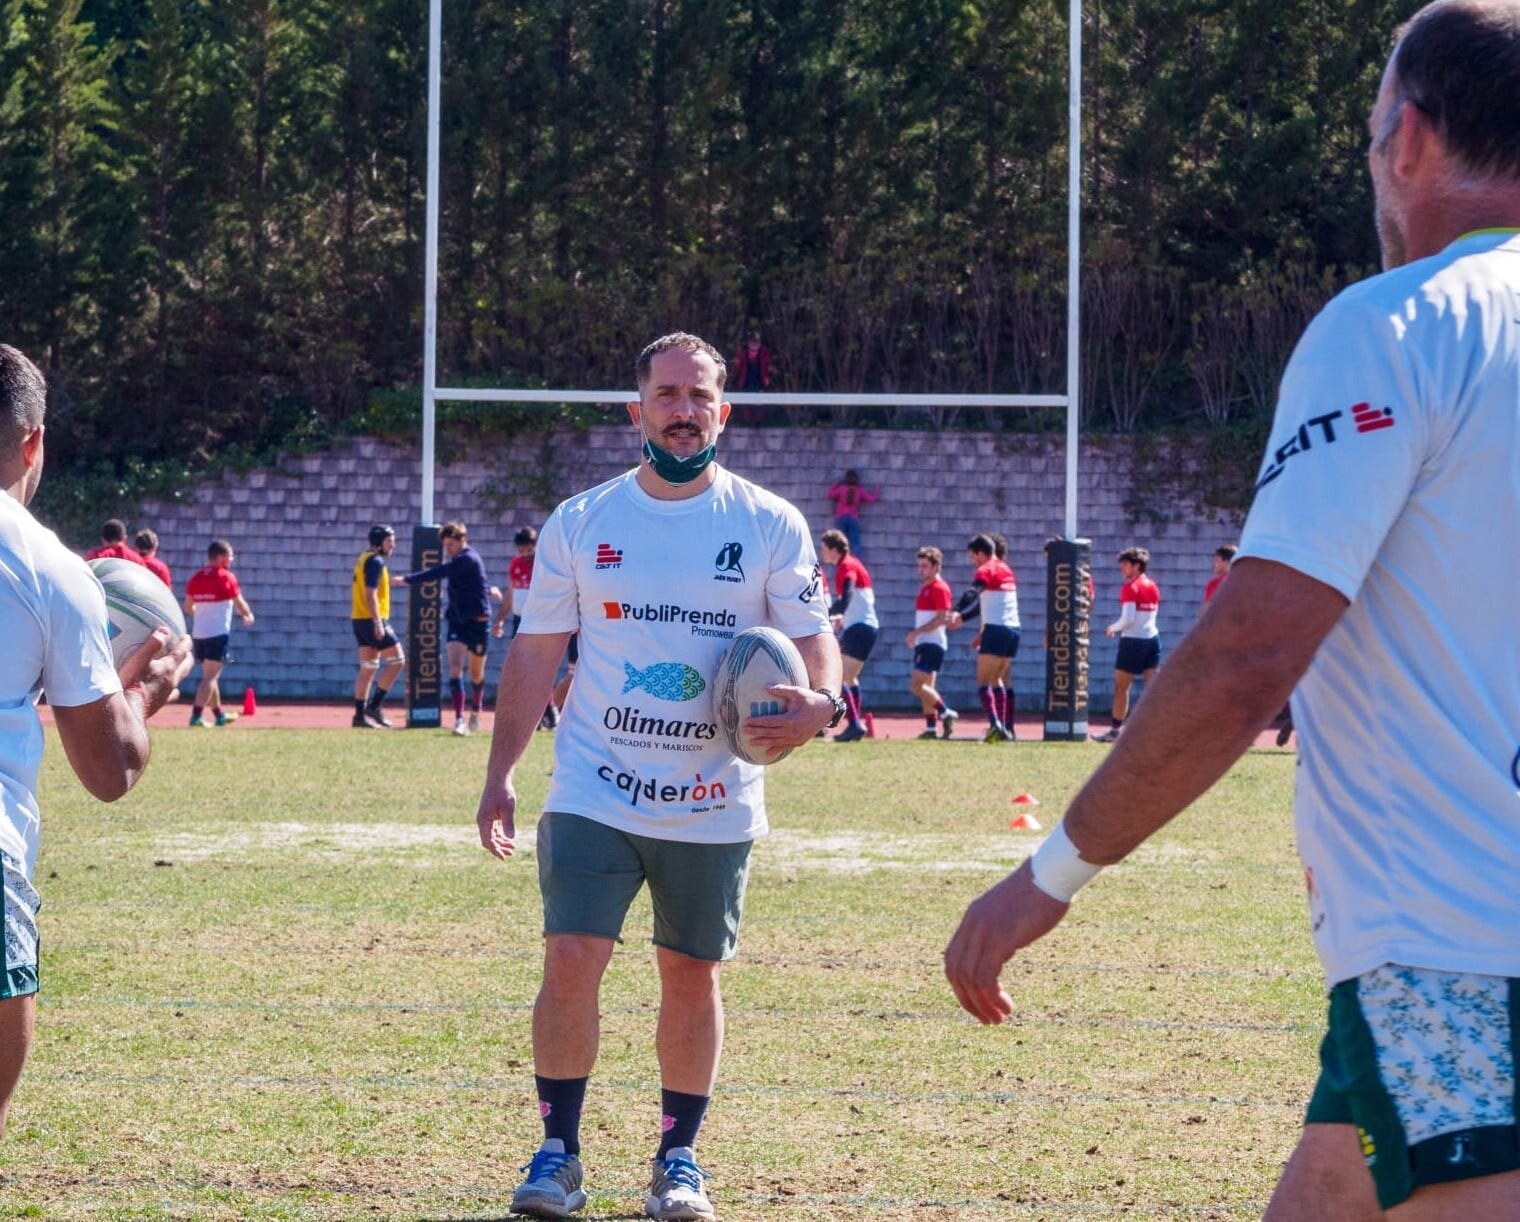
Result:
[[676, 470]]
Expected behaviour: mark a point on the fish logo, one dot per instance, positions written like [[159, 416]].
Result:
[[665, 680]]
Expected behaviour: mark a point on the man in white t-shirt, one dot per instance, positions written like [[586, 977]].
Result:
[[53, 620], [657, 570], [1390, 485]]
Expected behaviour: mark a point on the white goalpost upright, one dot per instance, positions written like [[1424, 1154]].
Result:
[[432, 393]]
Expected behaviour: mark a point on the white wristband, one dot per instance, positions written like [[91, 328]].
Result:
[[1058, 869]]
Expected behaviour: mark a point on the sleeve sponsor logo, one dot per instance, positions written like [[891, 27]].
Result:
[[1321, 431], [814, 588]]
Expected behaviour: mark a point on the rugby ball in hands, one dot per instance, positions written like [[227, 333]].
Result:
[[757, 658], [137, 602]]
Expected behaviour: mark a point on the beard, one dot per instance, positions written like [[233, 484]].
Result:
[[1390, 238]]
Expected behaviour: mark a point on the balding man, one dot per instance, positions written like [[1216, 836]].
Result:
[[1377, 571]]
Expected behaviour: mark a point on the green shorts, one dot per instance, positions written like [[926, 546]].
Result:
[[589, 873], [1422, 1062]]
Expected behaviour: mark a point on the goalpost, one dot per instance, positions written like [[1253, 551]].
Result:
[[1067, 560]]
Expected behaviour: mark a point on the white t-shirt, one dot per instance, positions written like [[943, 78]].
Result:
[[53, 620], [657, 590], [1393, 475]]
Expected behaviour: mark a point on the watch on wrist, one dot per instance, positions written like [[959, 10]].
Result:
[[839, 706]]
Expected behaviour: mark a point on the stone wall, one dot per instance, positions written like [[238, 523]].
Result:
[[298, 529]]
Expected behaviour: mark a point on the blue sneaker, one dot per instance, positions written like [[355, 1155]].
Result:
[[553, 1187], [675, 1187]]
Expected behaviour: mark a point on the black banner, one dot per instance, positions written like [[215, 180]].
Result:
[[424, 635], [1068, 616]]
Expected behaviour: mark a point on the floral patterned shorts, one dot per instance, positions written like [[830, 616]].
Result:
[[1422, 1062], [20, 904]]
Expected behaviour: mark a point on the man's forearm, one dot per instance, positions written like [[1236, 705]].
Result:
[[820, 654], [1206, 706]]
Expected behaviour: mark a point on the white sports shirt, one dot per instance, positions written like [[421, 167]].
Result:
[[657, 590], [53, 621], [1393, 475]]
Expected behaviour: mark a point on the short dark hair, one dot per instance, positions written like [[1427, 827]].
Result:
[[453, 530], [380, 532], [113, 530], [837, 540], [1227, 552], [982, 545], [525, 536], [686, 342], [999, 544], [1137, 556], [145, 540], [1459, 63], [219, 547], [23, 397]]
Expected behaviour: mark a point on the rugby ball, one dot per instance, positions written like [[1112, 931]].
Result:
[[137, 602], [757, 658]]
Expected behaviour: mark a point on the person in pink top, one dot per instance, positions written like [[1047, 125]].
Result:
[[848, 496]]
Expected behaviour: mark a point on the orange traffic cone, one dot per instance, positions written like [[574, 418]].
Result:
[[1026, 799], [250, 704], [1024, 823], [870, 726]]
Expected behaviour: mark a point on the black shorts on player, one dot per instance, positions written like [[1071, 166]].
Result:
[[857, 641], [471, 634], [209, 648], [927, 659], [1000, 641], [364, 633], [573, 650], [1138, 654]]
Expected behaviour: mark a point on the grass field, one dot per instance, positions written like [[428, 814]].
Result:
[[280, 981]]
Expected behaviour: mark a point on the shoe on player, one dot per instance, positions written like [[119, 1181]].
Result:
[[930, 734], [852, 733], [1284, 733], [553, 1187], [197, 722], [676, 1187], [376, 718], [947, 721], [460, 728], [361, 721], [474, 722], [224, 718], [1112, 736], [994, 734]]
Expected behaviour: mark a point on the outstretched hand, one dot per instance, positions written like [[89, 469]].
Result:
[[1003, 919]]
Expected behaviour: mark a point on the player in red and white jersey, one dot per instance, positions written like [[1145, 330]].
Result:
[[928, 640], [1221, 562], [211, 596], [1139, 637], [853, 613], [993, 595], [114, 545], [519, 579]]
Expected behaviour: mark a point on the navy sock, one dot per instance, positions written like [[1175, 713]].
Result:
[[377, 696], [929, 720], [358, 708], [681, 1117], [559, 1104]]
